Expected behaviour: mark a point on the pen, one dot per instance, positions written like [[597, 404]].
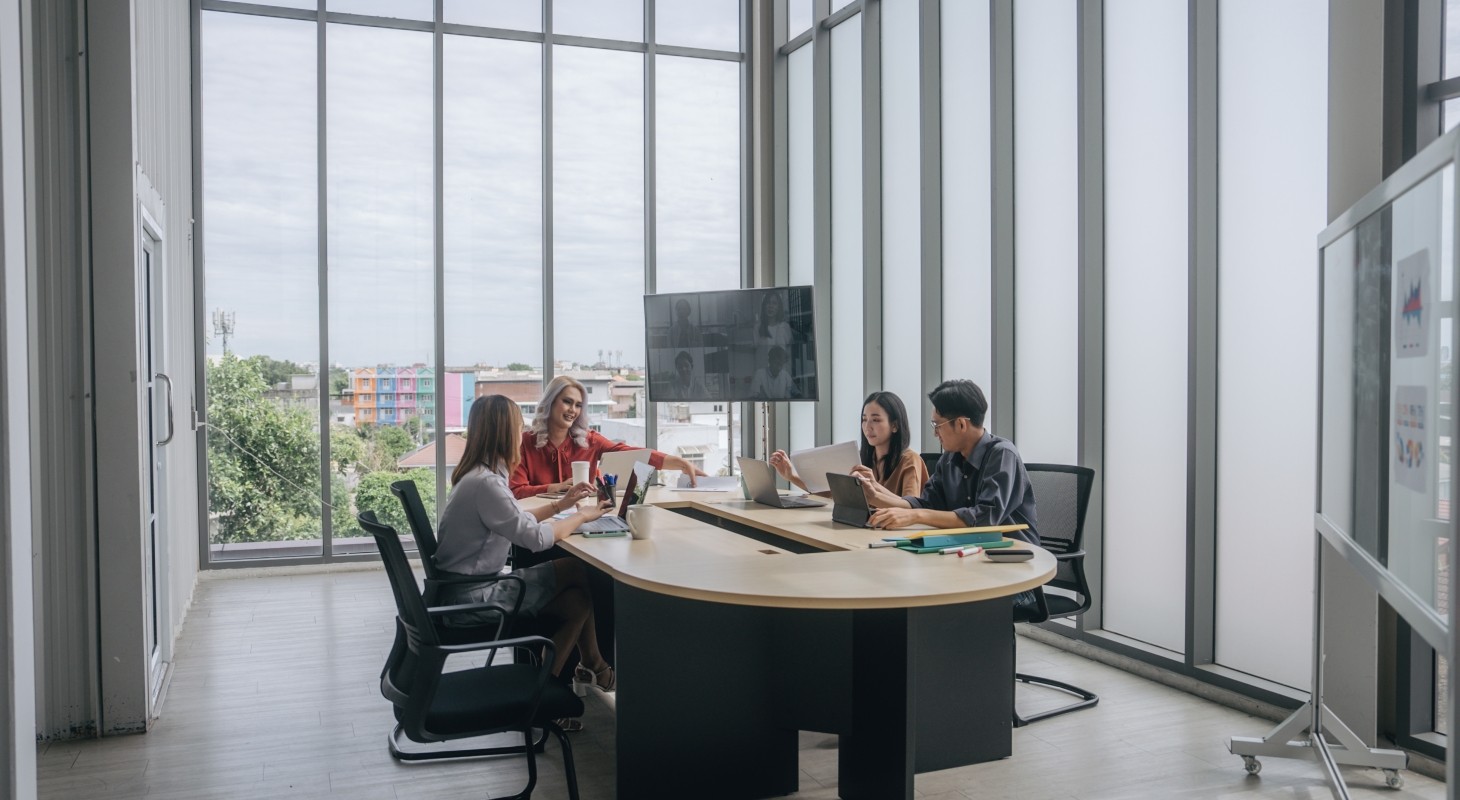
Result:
[[882, 544]]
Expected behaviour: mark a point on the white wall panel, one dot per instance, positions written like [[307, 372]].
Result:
[[901, 212], [967, 195], [1046, 230], [846, 230], [1145, 320], [1272, 203]]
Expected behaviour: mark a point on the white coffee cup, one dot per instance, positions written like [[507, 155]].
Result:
[[580, 472], [641, 522]]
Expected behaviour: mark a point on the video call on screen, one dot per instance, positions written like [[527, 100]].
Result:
[[746, 344]]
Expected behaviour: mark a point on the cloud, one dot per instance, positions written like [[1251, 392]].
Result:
[[260, 199]]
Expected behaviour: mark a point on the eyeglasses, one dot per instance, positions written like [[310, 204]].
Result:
[[937, 425]]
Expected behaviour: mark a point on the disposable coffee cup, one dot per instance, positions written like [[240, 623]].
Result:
[[580, 472], [641, 522]]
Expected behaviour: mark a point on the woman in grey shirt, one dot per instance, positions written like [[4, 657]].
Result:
[[482, 521]]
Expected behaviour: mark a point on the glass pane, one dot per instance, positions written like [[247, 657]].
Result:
[[847, 387], [698, 170], [801, 201], [902, 251], [1046, 230], [381, 284], [603, 19], [1452, 38], [421, 10], [1145, 292], [1273, 81], [493, 207], [799, 16], [308, 5], [837, 5], [713, 24], [967, 193], [260, 256], [517, 15], [598, 217], [1422, 314]]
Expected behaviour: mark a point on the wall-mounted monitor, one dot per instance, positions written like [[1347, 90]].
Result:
[[743, 344]]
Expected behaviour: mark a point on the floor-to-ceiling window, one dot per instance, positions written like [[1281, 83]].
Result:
[[402, 213]]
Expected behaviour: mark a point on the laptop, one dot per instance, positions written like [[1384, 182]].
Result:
[[760, 482], [850, 503], [609, 523], [621, 462]]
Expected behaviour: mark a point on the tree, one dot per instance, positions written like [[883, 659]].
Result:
[[275, 372], [263, 460], [339, 381], [518, 366], [392, 442], [373, 494], [347, 449]]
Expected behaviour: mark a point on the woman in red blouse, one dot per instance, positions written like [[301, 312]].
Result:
[[560, 436]]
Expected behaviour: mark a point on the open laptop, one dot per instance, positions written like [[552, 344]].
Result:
[[850, 503], [760, 482], [621, 462], [614, 522]]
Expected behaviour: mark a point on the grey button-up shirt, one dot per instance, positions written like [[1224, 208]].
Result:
[[991, 488], [482, 522]]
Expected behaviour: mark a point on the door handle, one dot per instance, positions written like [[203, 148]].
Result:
[[170, 428]]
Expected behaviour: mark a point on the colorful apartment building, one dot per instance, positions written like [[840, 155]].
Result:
[[397, 395]]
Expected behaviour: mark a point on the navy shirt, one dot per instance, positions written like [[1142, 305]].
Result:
[[991, 488]]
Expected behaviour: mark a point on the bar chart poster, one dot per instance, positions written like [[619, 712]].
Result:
[[1412, 296]]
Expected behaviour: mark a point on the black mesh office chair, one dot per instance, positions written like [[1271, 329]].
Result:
[[931, 460], [432, 705], [1061, 495], [437, 580]]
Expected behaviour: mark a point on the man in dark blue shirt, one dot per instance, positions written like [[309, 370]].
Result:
[[980, 480]]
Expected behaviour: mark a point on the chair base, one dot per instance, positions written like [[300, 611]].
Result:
[[401, 749], [570, 771], [1087, 699]]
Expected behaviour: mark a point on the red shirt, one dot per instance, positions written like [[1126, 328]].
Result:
[[546, 465]]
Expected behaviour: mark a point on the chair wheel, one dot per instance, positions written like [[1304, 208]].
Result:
[[1393, 779], [1251, 764]]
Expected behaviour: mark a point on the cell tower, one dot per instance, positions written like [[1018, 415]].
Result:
[[223, 326]]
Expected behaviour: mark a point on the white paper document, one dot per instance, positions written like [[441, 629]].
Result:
[[812, 465]]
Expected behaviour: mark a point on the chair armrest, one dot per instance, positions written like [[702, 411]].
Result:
[[511, 613], [499, 644], [1069, 556]]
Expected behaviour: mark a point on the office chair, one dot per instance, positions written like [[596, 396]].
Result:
[[930, 460], [433, 705], [437, 579], [1061, 495]]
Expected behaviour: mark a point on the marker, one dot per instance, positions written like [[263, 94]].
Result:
[[882, 544], [954, 550], [971, 550]]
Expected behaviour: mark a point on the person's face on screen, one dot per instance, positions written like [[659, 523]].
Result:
[[776, 362], [772, 308], [683, 369], [875, 425], [567, 408], [681, 310]]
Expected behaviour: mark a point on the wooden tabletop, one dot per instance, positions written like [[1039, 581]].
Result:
[[695, 560]]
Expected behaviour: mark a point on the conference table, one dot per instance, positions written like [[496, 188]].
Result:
[[739, 625]]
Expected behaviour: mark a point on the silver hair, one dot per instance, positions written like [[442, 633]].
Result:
[[578, 432]]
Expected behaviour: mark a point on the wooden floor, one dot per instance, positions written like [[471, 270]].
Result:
[[275, 693]]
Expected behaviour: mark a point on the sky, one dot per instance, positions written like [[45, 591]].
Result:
[[260, 200]]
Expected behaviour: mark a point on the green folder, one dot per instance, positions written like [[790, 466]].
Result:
[[947, 540], [912, 548]]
